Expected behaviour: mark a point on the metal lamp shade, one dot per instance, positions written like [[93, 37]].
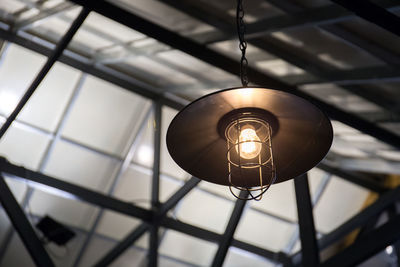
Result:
[[301, 133]]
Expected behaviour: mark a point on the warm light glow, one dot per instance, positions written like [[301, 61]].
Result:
[[249, 149]]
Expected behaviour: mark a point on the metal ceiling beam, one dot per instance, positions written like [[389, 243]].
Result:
[[328, 14], [98, 199], [54, 138], [309, 247], [371, 48], [207, 235], [116, 251], [347, 36], [44, 14], [289, 54], [227, 237], [368, 246], [76, 191], [383, 202], [155, 186], [121, 246], [371, 165], [323, 184], [56, 53], [373, 13], [304, 18], [368, 75], [86, 65], [210, 56], [124, 165], [23, 226], [361, 180]]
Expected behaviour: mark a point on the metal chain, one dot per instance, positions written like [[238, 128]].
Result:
[[241, 30]]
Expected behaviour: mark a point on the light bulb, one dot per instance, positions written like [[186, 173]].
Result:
[[251, 147]]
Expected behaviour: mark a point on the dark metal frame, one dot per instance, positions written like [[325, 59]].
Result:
[[152, 219]]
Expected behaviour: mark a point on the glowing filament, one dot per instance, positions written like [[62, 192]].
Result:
[[250, 146]]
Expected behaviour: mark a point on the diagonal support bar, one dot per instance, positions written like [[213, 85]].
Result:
[[227, 237], [76, 191], [140, 230], [309, 248], [123, 245], [23, 226], [368, 246], [358, 220], [56, 53]]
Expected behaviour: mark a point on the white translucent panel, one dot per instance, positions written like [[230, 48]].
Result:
[[49, 101], [11, 6], [144, 153], [241, 258], [164, 15], [346, 149], [287, 38], [22, 145], [162, 73], [279, 67], [110, 28], [315, 177], [340, 201], [167, 188], [187, 248], [65, 256], [80, 166], [18, 68], [88, 35], [17, 255], [373, 165], [131, 257], [117, 226], [217, 189], [332, 60], [134, 186], [342, 129], [205, 210], [18, 188], [263, 231], [193, 64], [337, 96], [296, 247], [168, 165], [54, 27], [389, 154], [99, 247], [169, 262], [69, 211], [104, 116], [279, 200], [361, 142]]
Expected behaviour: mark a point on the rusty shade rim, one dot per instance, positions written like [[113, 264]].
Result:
[[191, 104]]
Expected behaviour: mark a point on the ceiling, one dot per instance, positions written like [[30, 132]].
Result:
[[131, 65]]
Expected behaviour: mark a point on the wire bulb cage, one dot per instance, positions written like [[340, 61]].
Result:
[[249, 156]]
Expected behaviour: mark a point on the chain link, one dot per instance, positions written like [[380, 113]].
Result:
[[241, 30]]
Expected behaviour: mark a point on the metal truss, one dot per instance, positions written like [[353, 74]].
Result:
[[149, 217], [152, 219]]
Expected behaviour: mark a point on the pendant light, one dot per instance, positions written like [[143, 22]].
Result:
[[248, 138]]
